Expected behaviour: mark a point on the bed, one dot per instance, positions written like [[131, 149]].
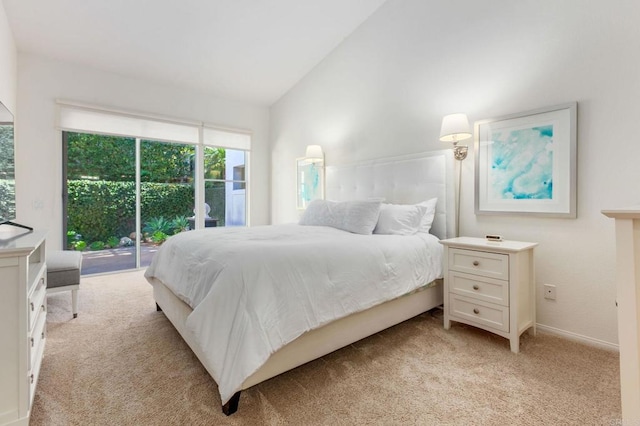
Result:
[[258, 346]]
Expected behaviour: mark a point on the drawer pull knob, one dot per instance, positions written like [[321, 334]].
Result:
[[31, 378], [476, 287], [32, 306], [476, 311], [43, 334], [43, 308], [32, 342], [476, 263]]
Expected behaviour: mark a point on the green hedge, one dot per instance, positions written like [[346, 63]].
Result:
[[101, 209], [7, 199]]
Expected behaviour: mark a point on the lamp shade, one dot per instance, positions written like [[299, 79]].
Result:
[[314, 151], [455, 127]]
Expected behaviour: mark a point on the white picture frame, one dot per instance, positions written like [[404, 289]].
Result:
[[525, 163], [309, 181]]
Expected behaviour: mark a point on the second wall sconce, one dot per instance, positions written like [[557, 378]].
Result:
[[314, 153], [455, 127]]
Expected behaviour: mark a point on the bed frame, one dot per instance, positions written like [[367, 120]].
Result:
[[401, 180]]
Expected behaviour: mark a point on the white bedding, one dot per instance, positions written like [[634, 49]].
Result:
[[253, 290]]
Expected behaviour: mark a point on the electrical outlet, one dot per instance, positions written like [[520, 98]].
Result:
[[550, 291]]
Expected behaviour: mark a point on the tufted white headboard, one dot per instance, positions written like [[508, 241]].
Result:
[[400, 180]]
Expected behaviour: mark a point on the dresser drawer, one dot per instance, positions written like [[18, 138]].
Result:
[[37, 302], [480, 288], [34, 374], [37, 273], [36, 339], [478, 312], [492, 265]]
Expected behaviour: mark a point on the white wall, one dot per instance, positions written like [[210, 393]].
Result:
[[385, 89], [39, 153], [8, 64]]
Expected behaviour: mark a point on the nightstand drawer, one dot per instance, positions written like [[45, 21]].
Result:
[[475, 311], [480, 288], [493, 265]]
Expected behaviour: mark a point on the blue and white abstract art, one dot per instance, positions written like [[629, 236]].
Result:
[[310, 182], [521, 163], [526, 163]]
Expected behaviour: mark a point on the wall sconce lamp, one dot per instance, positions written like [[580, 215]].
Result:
[[455, 127], [314, 153]]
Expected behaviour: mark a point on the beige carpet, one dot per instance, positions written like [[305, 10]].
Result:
[[122, 363]]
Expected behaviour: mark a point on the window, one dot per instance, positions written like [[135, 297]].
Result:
[[225, 185], [238, 177], [185, 147]]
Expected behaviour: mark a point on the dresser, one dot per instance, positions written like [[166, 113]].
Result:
[[23, 314], [628, 302], [490, 285]]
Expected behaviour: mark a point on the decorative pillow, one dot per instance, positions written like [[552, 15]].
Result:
[[359, 217], [430, 214], [398, 219]]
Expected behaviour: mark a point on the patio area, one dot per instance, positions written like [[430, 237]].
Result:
[[118, 259]]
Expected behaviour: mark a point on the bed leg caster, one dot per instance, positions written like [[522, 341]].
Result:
[[232, 406], [158, 308]]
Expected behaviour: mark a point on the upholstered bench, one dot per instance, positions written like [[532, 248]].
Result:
[[63, 274]]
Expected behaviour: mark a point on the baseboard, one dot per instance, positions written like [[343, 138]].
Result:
[[579, 338]]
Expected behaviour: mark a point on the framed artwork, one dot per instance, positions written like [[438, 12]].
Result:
[[526, 163], [309, 181]]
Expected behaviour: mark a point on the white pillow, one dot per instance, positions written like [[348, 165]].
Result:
[[359, 217], [429, 215], [398, 219]]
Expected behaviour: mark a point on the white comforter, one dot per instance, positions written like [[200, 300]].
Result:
[[253, 290]]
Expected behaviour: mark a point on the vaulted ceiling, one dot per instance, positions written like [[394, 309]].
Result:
[[247, 50]]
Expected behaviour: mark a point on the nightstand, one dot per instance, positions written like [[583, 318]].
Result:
[[490, 285]]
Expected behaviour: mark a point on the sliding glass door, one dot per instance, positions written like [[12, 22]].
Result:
[[225, 187], [99, 181], [123, 197], [167, 197]]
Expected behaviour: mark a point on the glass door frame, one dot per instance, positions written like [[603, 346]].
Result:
[[138, 206], [65, 188]]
